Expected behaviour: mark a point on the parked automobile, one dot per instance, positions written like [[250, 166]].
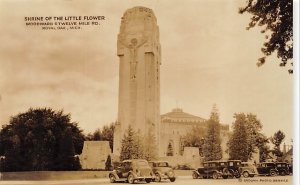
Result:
[[212, 169], [267, 168], [234, 168], [132, 171], [283, 168], [290, 168], [248, 169], [162, 171]]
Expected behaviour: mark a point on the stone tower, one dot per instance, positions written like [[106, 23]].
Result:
[[139, 54]]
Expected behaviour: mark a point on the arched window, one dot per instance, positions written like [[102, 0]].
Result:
[[170, 150]]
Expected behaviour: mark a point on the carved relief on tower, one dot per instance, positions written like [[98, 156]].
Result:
[[139, 24]]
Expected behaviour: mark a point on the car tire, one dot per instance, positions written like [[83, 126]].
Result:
[[112, 178], [272, 173], [130, 179], [172, 179], [237, 174], [215, 175], [225, 176], [157, 177], [195, 175], [148, 180], [246, 174], [283, 173]]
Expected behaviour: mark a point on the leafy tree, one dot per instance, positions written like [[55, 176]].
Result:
[[262, 143], [36, 139], [254, 127], [276, 17], [107, 134], [277, 139], [104, 134], [212, 147], [195, 138], [247, 134], [238, 142], [66, 159], [97, 135], [149, 146], [108, 164], [131, 145]]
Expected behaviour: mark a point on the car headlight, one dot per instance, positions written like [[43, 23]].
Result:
[[171, 174], [138, 172]]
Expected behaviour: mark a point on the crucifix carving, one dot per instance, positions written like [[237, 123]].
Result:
[[133, 46]]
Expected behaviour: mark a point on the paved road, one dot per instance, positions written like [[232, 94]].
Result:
[[186, 180]]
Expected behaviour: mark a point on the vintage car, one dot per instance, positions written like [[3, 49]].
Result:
[[234, 168], [283, 168], [132, 171], [212, 169], [162, 171], [290, 168], [267, 168], [248, 169]]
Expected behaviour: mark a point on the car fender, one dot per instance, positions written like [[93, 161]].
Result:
[[133, 173], [114, 173], [246, 170], [196, 171], [158, 172]]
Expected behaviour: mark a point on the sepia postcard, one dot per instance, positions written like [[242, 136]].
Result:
[[148, 91]]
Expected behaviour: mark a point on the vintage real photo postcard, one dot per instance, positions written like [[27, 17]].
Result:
[[147, 91]]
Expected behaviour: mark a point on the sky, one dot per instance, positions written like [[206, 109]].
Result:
[[208, 57]]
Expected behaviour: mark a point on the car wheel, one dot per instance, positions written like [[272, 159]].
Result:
[[225, 176], [215, 175], [148, 180], [112, 178], [237, 174], [195, 175], [157, 177], [272, 173], [172, 179], [246, 174], [130, 179], [283, 173]]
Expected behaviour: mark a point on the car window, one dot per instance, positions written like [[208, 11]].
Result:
[[213, 165], [127, 165], [162, 164], [142, 163], [222, 164], [230, 163], [245, 164]]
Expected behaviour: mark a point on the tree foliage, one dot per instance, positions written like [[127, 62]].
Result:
[[106, 133], [41, 139], [262, 143], [254, 128], [149, 146], [247, 138], [195, 138], [108, 163], [238, 142], [277, 139], [212, 147], [131, 145], [276, 18]]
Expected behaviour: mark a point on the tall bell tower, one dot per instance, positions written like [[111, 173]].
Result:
[[139, 53]]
